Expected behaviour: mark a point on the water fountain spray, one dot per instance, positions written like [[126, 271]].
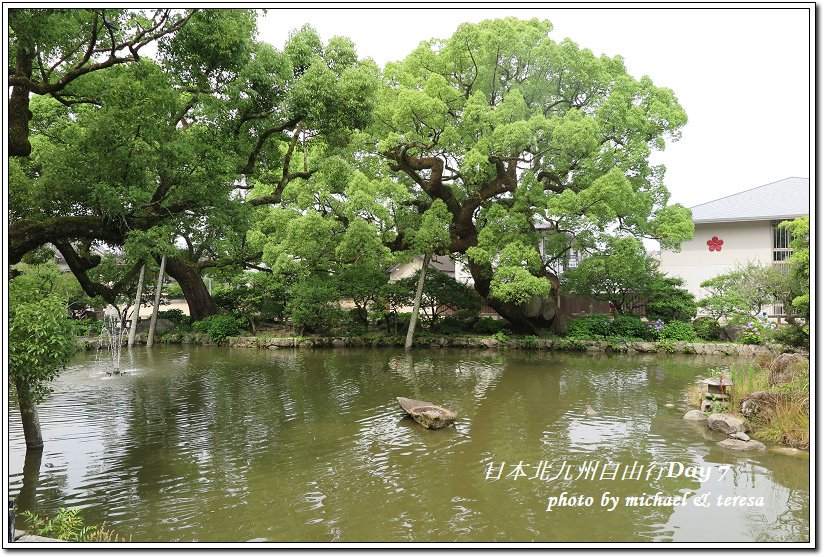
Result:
[[111, 336]]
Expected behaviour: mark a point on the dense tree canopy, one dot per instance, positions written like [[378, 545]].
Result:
[[168, 154], [311, 163], [513, 131], [51, 49]]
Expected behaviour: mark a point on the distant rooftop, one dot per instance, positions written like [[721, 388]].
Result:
[[786, 199]]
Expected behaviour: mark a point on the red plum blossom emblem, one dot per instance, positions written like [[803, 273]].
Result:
[[715, 244]]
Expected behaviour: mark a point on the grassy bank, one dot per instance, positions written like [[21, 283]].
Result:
[[780, 387]]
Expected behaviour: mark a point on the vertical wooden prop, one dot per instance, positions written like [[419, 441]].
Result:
[[414, 318], [156, 308], [136, 316]]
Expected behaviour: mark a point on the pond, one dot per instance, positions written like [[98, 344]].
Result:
[[230, 445]]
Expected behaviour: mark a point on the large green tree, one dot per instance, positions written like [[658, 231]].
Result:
[[50, 50], [515, 132], [190, 143]]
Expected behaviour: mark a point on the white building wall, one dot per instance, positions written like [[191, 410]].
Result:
[[405, 270], [743, 242], [462, 274]]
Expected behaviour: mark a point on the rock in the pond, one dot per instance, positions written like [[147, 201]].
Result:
[[726, 423], [430, 416], [740, 435], [739, 445], [695, 415], [590, 411]]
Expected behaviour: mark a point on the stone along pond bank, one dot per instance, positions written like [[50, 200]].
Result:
[[484, 343]]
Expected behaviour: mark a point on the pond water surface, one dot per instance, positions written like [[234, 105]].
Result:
[[229, 445]]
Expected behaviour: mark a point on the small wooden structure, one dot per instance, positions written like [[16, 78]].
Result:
[[717, 392], [430, 416]]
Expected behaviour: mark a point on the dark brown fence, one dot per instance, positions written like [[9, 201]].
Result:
[[577, 305]]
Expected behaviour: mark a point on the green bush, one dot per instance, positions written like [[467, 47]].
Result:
[[501, 337], [176, 316], [314, 307], [451, 325], [791, 335], [630, 326], [218, 327], [678, 331], [569, 344], [353, 324], [488, 326], [669, 301], [442, 293], [590, 326], [86, 327], [707, 328]]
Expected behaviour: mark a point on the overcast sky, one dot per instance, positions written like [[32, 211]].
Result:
[[742, 75]]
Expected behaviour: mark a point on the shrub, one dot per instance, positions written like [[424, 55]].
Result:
[[669, 301], [678, 331], [707, 328], [600, 327], [630, 326], [569, 344], [451, 325], [791, 335], [488, 326], [86, 327], [501, 337], [354, 324], [401, 322], [441, 293], [590, 326], [218, 327], [176, 316], [313, 306]]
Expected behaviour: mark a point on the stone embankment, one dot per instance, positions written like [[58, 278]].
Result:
[[377, 341], [564, 344]]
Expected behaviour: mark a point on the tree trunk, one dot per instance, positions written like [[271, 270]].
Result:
[[136, 315], [19, 112], [187, 275], [28, 415], [541, 313], [418, 295], [156, 307]]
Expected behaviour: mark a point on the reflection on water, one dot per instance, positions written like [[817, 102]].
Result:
[[210, 444]]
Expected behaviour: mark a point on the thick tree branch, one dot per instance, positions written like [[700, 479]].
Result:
[[261, 141], [79, 267], [26, 235]]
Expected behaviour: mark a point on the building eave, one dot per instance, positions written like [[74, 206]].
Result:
[[750, 219]]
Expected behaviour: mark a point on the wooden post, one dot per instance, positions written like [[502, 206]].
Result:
[[153, 321], [136, 316], [414, 318]]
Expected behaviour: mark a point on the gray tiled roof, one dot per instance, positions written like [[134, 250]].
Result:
[[787, 198]]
